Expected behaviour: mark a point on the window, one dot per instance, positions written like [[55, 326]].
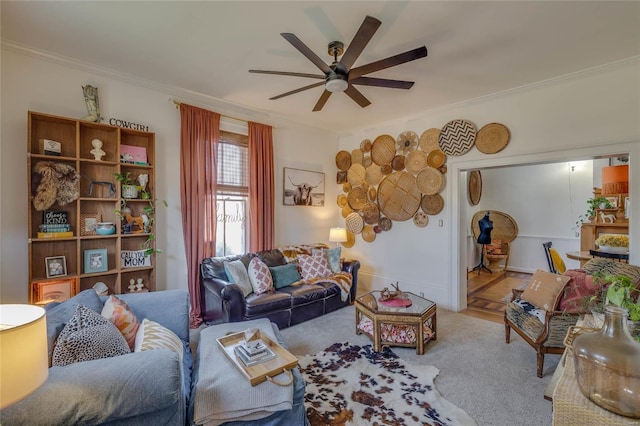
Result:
[[233, 194]]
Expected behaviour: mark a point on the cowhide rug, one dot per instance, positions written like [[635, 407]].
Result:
[[354, 385]]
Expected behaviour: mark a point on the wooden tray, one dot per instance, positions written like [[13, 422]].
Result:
[[258, 373]]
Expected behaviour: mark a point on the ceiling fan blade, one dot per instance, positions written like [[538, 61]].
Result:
[[357, 96], [382, 82], [368, 28], [323, 100], [391, 61], [298, 44], [294, 74], [311, 86]]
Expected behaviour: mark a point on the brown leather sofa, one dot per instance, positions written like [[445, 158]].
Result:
[[287, 306]]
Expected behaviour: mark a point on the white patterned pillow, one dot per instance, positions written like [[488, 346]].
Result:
[[333, 257], [314, 266], [260, 276], [152, 335], [237, 274], [88, 336]]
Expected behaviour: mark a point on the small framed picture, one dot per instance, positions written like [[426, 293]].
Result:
[[88, 222], [627, 207], [613, 201], [56, 266], [43, 292], [95, 260], [303, 188]]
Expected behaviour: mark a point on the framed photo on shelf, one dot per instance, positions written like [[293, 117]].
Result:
[[95, 260], [43, 292], [627, 207], [88, 222], [131, 154], [56, 266], [303, 188], [613, 201]]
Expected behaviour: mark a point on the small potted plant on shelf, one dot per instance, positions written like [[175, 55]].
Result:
[[593, 203], [129, 190], [147, 215]]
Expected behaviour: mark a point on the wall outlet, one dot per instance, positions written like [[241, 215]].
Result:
[[422, 294], [440, 223]]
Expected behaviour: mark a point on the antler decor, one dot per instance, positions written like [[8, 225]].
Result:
[[387, 294]]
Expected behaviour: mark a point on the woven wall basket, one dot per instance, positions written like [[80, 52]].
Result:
[[429, 140], [373, 175], [457, 137], [385, 223], [398, 196], [415, 161], [429, 181], [365, 145], [356, 175], [343, 160], [354, 223], [432, 204], [492, 138], [357, 198], [357, 156], [351, 240], [371, 213], [383, 149]]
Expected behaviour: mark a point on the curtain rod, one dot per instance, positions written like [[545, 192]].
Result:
[[177, 104]]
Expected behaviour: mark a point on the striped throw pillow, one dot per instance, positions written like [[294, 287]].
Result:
[[152, 335]]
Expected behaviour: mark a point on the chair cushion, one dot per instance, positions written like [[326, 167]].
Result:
[[525, 319], [495, 247], [558, 263], [545, 290], [577, 290]]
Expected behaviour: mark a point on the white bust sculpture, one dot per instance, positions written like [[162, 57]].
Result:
[[97, 151]]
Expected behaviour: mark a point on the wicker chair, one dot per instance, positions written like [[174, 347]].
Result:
[[548, 337], [505, 229]]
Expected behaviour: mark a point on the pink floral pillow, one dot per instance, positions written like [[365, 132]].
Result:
[[119, 313], [260, 276], [314, 266]]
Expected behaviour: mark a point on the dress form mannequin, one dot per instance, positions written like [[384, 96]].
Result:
[[486, 225]]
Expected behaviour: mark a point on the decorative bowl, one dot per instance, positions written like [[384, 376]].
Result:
[[105, 228], [614, 250]]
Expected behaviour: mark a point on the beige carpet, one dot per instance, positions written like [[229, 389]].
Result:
[[494, 382]]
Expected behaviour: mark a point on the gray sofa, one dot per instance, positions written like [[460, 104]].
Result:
[[148, 387]]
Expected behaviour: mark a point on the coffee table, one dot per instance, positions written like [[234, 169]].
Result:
[[422, 312]]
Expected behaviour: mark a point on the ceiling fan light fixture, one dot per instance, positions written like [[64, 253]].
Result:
[[336, 84]]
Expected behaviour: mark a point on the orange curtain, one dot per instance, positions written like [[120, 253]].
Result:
[[261, 188], [199, 134]]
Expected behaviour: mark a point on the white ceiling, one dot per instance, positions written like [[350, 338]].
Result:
[[475, 48]]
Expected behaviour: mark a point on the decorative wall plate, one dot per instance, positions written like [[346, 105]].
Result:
[[492, 138], [475, 187], [383, 149], [429, 181], [429, 140], [398, 196], [457, 137], [343, 160], [432, 204]]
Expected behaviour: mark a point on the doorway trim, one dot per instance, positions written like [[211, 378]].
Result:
[[458, 196]]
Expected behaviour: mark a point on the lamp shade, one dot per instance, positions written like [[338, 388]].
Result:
[[615, 180], [338, 235], [24, 364]]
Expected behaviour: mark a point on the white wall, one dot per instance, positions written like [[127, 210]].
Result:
[[31, 81], [571, 118]]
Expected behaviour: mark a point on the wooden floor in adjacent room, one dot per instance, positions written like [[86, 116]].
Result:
[[487, 293]]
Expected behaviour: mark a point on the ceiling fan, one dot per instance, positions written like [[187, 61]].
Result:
[[339, 76]]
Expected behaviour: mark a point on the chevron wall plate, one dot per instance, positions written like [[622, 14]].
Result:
[[457, 137]]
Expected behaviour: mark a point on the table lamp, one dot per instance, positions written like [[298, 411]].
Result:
[[337, 235], [24, 364]]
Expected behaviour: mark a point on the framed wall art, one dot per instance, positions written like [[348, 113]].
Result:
[[95, 260], [613, 201], [303, 188], [43, 292], [88, 222], [56, 266]]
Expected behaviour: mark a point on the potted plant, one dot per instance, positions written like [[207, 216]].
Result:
[[129, 190], [593, 203], [148, 215], [617, 290]]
